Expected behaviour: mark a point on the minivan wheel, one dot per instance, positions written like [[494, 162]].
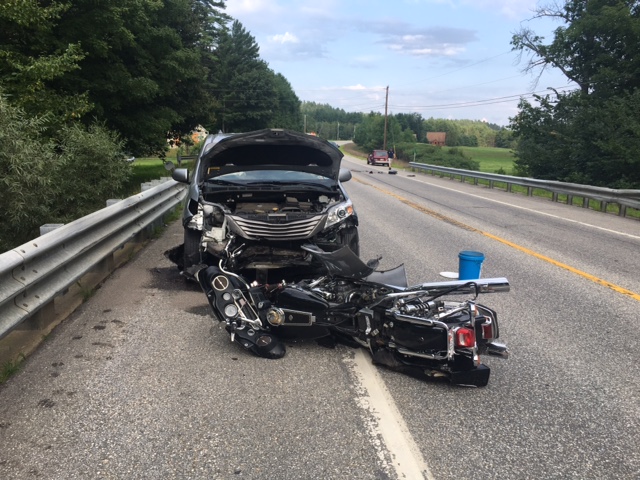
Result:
[[191, 247]]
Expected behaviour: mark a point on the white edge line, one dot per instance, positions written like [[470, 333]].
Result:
[[405, 454], [526, 209]]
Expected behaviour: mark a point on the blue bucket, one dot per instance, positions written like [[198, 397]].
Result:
[[470, 265]]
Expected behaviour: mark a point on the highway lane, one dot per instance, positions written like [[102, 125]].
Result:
[[566, 404], [141, 384]]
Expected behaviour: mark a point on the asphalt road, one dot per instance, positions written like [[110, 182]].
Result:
[[140, 382]]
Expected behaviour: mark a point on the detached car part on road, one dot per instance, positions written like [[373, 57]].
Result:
[[255, 198]]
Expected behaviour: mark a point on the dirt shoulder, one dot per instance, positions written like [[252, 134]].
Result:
[[353, 150]]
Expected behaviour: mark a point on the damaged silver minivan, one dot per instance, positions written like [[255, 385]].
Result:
[[255, 198]]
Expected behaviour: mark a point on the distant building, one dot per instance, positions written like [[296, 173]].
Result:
[[198, 134], [437, 138]]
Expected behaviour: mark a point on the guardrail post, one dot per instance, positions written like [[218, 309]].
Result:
[[105, 266], [529, 191], [39, 320], [509, 187], [554, 197], [569, 199]]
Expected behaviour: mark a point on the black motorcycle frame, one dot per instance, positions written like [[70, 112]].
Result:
[[416, 329]]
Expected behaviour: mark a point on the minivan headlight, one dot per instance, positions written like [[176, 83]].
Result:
[[339, 213]]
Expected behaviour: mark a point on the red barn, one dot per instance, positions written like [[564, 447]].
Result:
[[437, 138]]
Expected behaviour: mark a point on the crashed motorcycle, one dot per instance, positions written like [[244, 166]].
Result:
[[418, 330]]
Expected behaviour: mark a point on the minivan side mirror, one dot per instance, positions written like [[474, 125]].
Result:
[[180, 175], [344, 175]]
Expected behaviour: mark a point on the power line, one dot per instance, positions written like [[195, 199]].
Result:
[[459, 69], [488, 101]]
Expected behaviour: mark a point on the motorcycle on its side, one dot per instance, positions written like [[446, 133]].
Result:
[[418, 330]]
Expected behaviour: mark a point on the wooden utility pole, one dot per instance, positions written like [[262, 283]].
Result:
[[386, 104]]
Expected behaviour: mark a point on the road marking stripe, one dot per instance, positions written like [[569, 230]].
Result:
[[586, 275], [444, 218], [589, 225], [406, 457]]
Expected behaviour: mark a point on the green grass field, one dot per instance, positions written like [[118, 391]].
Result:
[[491, 159], [148, 169]]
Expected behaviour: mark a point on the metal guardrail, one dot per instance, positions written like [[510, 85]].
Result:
[[624, 198], [33, 274], [181, 158]]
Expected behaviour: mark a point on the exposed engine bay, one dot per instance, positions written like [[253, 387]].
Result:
[[261, 205], [263, 230]]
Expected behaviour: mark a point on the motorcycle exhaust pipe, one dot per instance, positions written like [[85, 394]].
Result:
[[461, 287]]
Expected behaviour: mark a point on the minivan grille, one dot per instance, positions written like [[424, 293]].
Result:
[[277, 227]]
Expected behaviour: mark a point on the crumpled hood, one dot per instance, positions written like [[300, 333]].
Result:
[[271, 149]]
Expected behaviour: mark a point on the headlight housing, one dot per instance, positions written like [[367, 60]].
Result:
[[339, 213]]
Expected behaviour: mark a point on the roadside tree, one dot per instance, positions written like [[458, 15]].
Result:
[[589, 134]]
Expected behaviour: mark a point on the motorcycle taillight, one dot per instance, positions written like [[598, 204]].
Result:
[[487, 331], [465, 337]]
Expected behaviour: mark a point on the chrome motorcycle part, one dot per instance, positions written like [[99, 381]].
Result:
[[230, 311], [275, 316]]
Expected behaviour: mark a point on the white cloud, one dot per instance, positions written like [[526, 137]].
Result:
[[284, 38], [434, 41], [354, 87]]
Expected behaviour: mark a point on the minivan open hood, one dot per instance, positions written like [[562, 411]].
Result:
[[273, 149]]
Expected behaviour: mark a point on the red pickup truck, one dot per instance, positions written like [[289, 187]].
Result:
[[378, 157]]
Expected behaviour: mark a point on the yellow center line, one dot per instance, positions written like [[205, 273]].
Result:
[[449, 220]]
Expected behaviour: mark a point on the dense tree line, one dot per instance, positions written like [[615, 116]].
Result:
[[589, 135], [43, 180], [250, 95], [148, 70], [83, 81], [413, 128], [329, 122]]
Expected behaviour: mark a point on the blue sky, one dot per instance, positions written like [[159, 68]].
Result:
[[440, 58]]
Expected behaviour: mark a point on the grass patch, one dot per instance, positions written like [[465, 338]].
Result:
[[353, 150], [10, 367], [85, 292], [148, 169], [492, 160]]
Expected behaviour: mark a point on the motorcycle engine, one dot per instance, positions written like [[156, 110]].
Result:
[[344, 291]]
